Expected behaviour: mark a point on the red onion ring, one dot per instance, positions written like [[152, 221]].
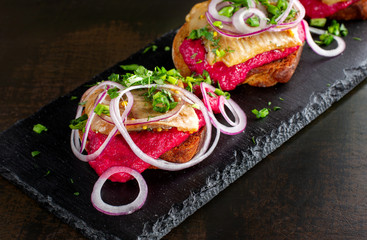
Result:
[[212, 9], [76, 147], [243, 30], [316, 48], [240, 117], [105, 208], [241, 25]]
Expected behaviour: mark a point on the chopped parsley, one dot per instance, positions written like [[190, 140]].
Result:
[[47, 173], [218, 24], [35, 153], [334, 29], [261, 113], [253, 21], [73, 98], [130, 67], [337, 29], [162, 100], [210, 36], [220, 92], [325, 39], [76, 193], [167, 48], [79, 123], [318, 22], [113, 92], [357, 38], [39, 128], [151, 47], [276, 108]]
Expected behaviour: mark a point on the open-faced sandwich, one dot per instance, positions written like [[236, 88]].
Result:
[[253, 42], [146, 120], [336, 9]]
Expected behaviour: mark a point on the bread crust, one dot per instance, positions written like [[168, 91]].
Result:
[[356, 11], [185, 151], [268, 75]]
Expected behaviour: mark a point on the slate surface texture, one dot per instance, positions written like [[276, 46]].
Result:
[[173, 196]]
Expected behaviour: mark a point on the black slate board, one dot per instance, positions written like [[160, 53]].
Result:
[[317, 83]]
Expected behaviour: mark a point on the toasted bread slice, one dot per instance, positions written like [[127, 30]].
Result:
[[264, 76], [185, 151], [356, 11]]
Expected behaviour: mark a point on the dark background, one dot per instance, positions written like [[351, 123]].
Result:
[[312, 187]]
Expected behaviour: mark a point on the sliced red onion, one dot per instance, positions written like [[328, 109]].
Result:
[[78, 147], [238, 28], [105, 208], [240, 122], [203, 153], [316, 48], [241, 25], [230, 31], [212, 9], [170, 114]]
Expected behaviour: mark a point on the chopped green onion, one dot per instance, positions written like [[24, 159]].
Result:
[[38, 128], [79, 123], [35, 153], [130, 67], [102, 109], [262, 113], [218, 24], [318, 22]]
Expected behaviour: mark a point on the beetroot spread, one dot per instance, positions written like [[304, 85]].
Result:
[[318, 9], [118, 152], [193, 53]]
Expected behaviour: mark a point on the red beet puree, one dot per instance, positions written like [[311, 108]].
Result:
[[318, 9], [118, 152], [193, 52]]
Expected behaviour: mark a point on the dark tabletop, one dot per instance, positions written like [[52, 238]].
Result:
[[312, 187]]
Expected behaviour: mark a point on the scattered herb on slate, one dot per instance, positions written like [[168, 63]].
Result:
[[38, 128], [35, 153]]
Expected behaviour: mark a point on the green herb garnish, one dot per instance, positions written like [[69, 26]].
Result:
[[151, 47], [38, 128], [261, 113], [130, 67], [253, 21], [325, 39], [163, 101], [35, 153], [218, 24], [113, 92], [79, 123], [318, 22], [102, 109]]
